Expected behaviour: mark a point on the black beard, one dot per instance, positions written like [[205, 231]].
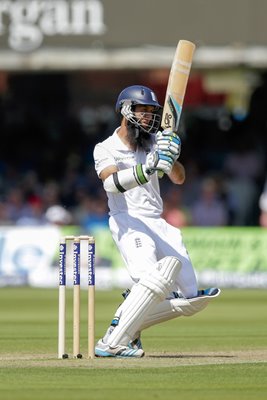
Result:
[[137, 137]]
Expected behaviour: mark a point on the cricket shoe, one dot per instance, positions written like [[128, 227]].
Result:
[[136, 343], [208, 292], [104, 350]]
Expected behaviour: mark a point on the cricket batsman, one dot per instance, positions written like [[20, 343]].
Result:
[[164, 282]]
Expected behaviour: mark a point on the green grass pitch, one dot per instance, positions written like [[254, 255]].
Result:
[[220, 353]]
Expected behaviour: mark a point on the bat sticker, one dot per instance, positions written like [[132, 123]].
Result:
[[176, 111]]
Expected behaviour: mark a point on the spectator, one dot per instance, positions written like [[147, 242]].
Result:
[[51, 194], [209, 209], [58, 215], [243, 168], [16, 206], [35, 215], [174, 212], [91, 213], [4, 217]]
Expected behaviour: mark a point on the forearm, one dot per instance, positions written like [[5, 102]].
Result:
[[177, 174], [121, 181]]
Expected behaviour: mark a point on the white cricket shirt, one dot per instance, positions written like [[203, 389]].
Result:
[[144, 200]]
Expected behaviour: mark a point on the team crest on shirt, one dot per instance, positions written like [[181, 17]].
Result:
[[138, 242]]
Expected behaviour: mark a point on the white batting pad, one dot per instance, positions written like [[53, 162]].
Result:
[[144, 296], [173, 308]]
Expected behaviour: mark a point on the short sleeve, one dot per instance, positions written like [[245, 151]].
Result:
[[103, 158]]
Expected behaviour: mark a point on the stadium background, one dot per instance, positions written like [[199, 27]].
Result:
[[61, 68]]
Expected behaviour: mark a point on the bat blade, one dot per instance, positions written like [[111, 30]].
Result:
[[177, 84]]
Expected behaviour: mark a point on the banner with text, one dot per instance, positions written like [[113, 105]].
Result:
[[227, 257]]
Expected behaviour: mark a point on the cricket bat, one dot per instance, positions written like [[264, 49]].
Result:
[[177, 83]]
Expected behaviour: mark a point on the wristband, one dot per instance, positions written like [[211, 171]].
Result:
[[121, 181]]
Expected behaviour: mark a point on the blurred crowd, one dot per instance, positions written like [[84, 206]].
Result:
[[77, 199], [47, 173]]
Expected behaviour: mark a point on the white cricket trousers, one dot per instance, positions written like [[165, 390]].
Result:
[[144, 242]]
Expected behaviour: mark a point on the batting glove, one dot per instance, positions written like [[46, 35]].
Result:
[[158, 161], [169, 143]]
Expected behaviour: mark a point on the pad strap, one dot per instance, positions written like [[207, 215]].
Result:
[[121, 181]]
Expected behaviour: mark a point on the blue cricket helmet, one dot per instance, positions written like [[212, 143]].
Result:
[[137, 94], [134, 95]]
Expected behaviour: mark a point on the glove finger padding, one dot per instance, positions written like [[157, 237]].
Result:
[[172, 147], [165, 157], [166, 134], [175, 141], [158, 161], [168, 141], [151, 162], [169, 154]]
